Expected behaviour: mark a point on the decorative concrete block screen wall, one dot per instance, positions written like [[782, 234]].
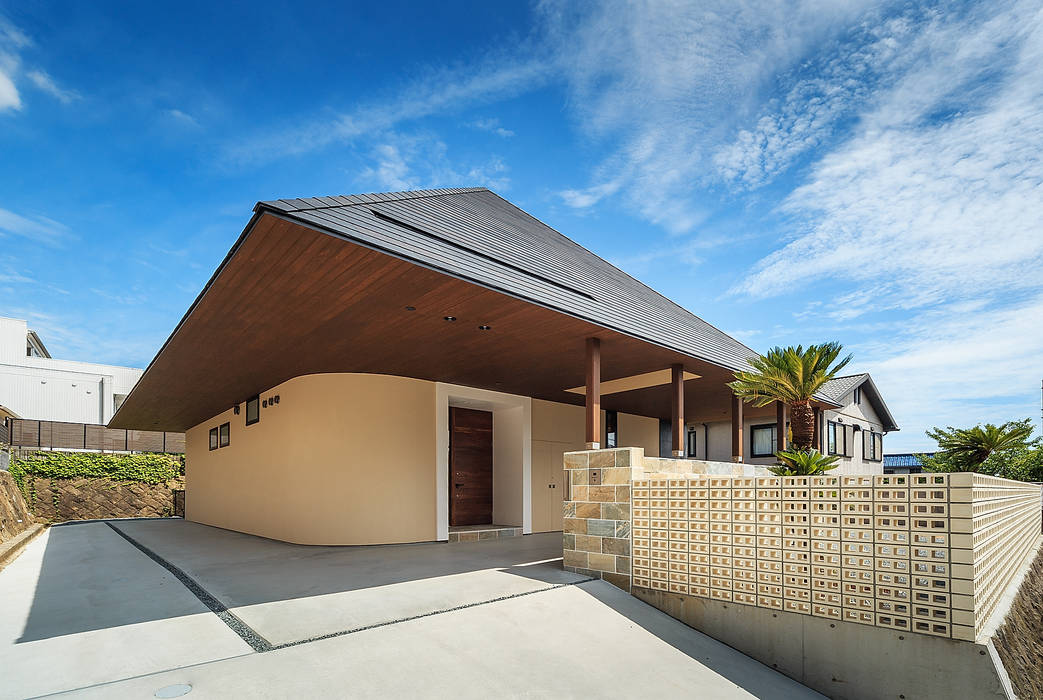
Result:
[[925, 553], [597, 538]]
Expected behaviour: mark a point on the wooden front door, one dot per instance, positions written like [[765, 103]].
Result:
[[470, 467]]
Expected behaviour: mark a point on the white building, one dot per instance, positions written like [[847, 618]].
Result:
[[36, 386]]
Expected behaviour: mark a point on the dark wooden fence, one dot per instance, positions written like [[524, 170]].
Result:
[[45, 434]]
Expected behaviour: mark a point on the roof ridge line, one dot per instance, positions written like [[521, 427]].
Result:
[[415, 195]]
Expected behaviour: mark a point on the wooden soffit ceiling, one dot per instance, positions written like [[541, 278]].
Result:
[[291, 300]]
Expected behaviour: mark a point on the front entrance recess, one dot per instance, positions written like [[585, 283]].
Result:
[[470, 466]]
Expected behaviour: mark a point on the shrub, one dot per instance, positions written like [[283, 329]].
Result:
[[802, 463], [150, 468]]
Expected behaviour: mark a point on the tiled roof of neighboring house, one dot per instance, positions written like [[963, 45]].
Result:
[[836, 389], [474, 234], [906, 460], [839, 387]]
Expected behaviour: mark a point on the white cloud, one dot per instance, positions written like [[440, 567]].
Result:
[[669, 80], [438, 91], [917, 209], [421, 161], [182, 118], [39, 228], [958, 365], [12, 41], [492, 125], [9, 97], [46, 83], [933, 208]]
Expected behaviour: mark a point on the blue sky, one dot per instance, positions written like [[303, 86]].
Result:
[[870, 173]]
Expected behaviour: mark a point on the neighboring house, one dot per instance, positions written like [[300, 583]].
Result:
[[382, 368], [34, 385], [851, 427], [905, 463], [854, 431]]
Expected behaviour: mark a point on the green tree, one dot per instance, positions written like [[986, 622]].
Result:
[[985, 448], [801, 463], [791, 375]]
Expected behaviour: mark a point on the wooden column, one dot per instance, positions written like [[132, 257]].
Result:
[[593, 404], [780, 426], [736, 429], [677, 409]]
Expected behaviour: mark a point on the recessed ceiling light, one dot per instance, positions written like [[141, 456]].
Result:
[[485, 328], [450, 318]]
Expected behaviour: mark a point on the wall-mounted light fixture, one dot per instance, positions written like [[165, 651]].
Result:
[[410, 308], [235, 409], [485, 328], [450, 318]]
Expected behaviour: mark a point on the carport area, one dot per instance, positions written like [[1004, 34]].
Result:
[[126, 608]]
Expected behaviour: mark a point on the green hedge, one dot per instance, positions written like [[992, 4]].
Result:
[[151, 468]]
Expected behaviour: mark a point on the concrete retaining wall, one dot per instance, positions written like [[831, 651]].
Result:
[[844, 660]]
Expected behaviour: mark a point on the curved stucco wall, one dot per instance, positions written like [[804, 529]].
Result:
[[342, 459]]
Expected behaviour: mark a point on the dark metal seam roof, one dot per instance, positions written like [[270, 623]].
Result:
[[477, 235]]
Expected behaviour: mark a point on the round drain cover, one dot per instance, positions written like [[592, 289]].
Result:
[[174, 691]]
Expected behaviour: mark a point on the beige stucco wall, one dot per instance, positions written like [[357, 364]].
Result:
[[558, 428], [342, 459], [560, 422]]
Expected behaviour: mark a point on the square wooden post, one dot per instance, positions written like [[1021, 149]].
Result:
[[737, 442], [677, 409], [593, 403]]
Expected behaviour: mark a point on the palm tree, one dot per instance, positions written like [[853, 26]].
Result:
[[968, 448], [797, 463], [791, 375]]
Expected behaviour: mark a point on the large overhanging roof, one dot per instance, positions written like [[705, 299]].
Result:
[[322, 285], [476, 235]]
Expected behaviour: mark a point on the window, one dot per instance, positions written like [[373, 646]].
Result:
[[837, 439], [691, 444], [213, 438], [611, 430], [224, 435], [762, 440], [253, 410], [872, 445], [858, 395]]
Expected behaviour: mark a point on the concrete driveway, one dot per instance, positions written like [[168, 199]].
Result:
[[126, 608]]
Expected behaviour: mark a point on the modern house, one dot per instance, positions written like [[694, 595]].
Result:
[[383, 368], [37, 386]]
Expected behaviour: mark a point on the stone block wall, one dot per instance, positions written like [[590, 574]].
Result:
[[597, 513], [58, 500], [15, 517]]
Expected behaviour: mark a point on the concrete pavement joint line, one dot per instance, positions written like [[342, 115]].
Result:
[[260, 644], [102, 684], [245, 632], [376, 625]]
